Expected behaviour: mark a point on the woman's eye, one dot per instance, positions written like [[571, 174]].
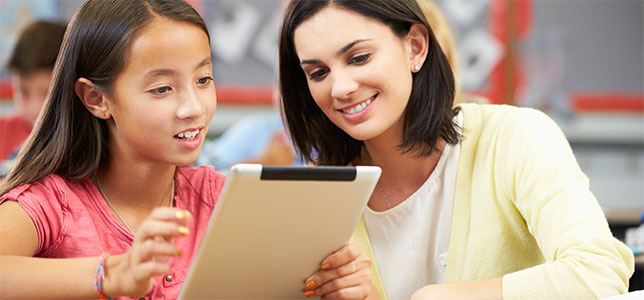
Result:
[[317, 75], [204, 80], [358, 60], [162, 90]]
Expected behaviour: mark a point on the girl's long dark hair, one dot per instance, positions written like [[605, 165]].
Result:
[[67, 140], [428, 115]]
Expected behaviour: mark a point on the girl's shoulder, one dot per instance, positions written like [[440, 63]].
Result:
[[51, 202], [52, 186]]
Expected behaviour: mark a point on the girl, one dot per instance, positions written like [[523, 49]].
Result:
[[98, 181], [475, 202]]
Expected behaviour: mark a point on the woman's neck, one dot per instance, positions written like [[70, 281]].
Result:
[[402, 173]]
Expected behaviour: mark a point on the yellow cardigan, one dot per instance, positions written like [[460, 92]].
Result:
[[523, 210]]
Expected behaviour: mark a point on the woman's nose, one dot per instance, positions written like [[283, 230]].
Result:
[[343, 85]]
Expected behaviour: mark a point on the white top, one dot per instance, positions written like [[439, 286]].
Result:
[[410, 241]]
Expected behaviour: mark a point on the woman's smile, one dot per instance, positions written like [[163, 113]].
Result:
[[357, 112]]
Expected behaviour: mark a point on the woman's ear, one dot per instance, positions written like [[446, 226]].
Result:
[[92, 98], [418, 38]]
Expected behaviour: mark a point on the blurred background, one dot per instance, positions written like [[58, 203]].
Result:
[[580, 61]]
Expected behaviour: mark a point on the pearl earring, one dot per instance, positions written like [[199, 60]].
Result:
[[417, 68]]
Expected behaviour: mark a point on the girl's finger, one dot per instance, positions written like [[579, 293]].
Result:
[[179, 216], [158, 250], [148, 269], [167, 229]]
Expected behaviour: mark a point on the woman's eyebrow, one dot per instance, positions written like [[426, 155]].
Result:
[[340, 52], [349, 46]]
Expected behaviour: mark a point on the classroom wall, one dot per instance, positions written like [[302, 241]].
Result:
[[603, 41]]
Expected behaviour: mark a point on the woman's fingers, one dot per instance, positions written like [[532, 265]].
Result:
[[343, 256], [345, 274], [352, 286], [354, 292], [322, 277], [347, 260]]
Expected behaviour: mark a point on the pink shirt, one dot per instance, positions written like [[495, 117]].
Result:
[[73, 220], [13, 131]]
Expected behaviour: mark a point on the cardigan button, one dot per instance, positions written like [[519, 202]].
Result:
[[141, 298], [169, 278]]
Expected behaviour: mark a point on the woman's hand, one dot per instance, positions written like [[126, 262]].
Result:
[[344, 274], [132, 273]]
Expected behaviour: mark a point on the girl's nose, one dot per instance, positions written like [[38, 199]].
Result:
[[190, 107]]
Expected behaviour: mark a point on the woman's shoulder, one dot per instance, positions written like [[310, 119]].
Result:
[[482, 119], [501, 113], [508, 126]]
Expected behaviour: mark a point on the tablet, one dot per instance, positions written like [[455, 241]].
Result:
[[273, 226]]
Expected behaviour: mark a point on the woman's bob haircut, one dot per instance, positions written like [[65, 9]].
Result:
[[428, 116]]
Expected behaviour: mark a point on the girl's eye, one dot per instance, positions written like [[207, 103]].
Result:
[[204, 80], [358, 60], [161, 91], [317, 75]]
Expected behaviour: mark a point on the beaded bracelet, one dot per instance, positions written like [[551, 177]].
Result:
[[100, 275]]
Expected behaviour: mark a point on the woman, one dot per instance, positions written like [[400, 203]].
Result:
[[477, 200]]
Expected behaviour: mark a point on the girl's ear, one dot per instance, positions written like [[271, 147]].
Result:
[[92, 98], [418, 38]]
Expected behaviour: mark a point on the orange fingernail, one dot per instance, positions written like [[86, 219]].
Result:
[[310, 284], [183, 230], [179, 252], [326, 267], [180, 214], [308, 294]]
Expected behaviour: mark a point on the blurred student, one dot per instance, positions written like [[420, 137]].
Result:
[[30, 66], [256, 139]]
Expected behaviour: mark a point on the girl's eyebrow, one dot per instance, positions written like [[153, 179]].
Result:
[[159, 72], [163, 72], [204, 62], [340, 52]]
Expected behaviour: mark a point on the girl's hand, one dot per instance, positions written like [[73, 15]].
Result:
[[132, 273], [344, 274]]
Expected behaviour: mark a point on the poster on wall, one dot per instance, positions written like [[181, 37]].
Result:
[[480, 52]]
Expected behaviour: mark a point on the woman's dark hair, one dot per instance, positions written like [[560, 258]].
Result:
[[428, 116], [67, 140]]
